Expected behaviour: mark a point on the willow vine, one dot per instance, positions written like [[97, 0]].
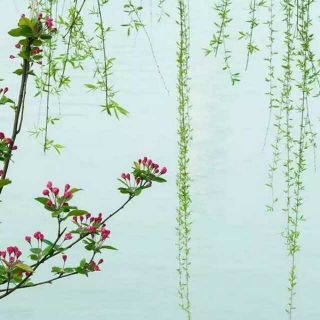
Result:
[[293, 127], [183, 177]]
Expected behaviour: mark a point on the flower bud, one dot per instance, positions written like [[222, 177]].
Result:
[[163, 170], [45, 192], [49, 203], [49, 185], [64, 257], [28, 239]]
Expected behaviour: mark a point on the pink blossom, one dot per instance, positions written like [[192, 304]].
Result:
[[40, 16], [145, 159], [23, 15], [49, 185], [123, 176], [68, 236], [54, 30], [1, 172], [14, 147], [128, 176], [28, 239], [2, 136], [12, 259], [139, 161], [67, 194], [45, 192], [8, 140], [96, 268], [67, 187], [88, 215], [3, 254], [55, 190], [18, 254], [100, 261], [81, 218], [74, 218], [37, 50], [11, 56], [64, 257], [6, 89], [92, 229], [149, 162], [49, 203], [49, 22], [18, 45], [10, 250], [163, 170], [39, 236]]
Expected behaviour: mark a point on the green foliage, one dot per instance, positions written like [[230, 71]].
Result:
[[183, 176], [220, 37]]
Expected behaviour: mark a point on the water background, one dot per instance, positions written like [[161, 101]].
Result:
[[239, 266]]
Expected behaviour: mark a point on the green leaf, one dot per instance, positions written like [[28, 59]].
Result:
[[45, 37], [74, 190], [83, 263], [25, 22], [24, 267], [158, 179], [15, 32], [108, 247], [5, 100], [68, 270], [19, 72], [35, 250], [26, 31], [76, 213], [42, 200], [4, 182], [37, 43], [56, 269]]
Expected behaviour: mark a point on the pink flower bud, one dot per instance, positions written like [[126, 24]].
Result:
[[49, 203], [11, 56], [49, 185], [55, 190], [14, 148], [28, 239], [91, 219], [67, 187], [45, 192], [2, 136], [18, 45], [1, 172], [12, 259], [156, 171], [100, 261], [54, 30], [67, 194], [88, 215], [18, 254], [81, 218], [123, 176], [3, 254], [6, 89], [100, 215], [68, 236], [74, 218], [8, 140], [145, 159], [137, 181], [23, 15], [96, 268], [40, 16], [163, 170], [149, 162], [64, 257], [92, 229], [139, 161], [128, 176], [10, 250]]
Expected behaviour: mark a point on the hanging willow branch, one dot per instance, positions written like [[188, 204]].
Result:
[[183, 177]]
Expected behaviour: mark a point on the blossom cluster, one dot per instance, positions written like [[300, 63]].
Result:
[[4, 90], [145, 171], [5, 148], [53, 194], [33, 30]]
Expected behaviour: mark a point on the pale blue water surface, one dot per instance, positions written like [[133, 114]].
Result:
[[239, 266]]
